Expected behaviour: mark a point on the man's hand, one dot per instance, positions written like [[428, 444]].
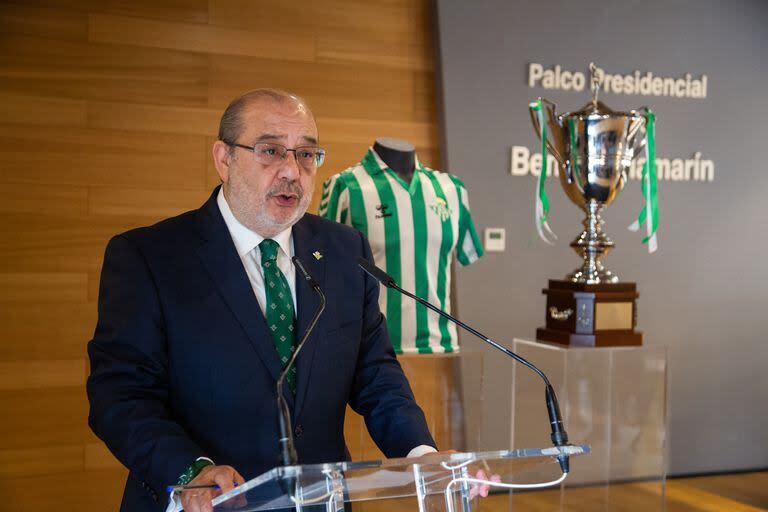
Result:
[[482, 490], [199, 500], [474, 489]]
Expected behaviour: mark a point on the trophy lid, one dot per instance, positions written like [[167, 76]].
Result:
[[597, 109]]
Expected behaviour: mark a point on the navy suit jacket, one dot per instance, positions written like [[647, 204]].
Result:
[[183, 366]]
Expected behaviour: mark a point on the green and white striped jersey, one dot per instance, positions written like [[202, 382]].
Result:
[[413, 230]]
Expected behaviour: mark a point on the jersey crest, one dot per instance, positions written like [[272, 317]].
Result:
[[441, 208]]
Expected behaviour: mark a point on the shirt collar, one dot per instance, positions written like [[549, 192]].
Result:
[[375, 163], [245, 239]]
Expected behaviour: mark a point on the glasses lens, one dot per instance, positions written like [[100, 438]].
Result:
[[267, 153], [310, 157]]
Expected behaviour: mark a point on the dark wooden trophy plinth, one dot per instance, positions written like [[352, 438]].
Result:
[[591, 315]]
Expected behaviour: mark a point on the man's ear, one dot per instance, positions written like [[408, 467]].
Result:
[[222, 158]]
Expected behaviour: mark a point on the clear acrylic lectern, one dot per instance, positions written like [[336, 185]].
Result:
[[432, 483]]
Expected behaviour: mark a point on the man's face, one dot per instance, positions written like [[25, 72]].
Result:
[[269, 198]]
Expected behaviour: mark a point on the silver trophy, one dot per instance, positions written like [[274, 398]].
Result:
[[594, 147]]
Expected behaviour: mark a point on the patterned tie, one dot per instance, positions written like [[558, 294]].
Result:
[[279, 307]]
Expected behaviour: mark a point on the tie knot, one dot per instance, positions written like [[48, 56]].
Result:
[[268, 250]]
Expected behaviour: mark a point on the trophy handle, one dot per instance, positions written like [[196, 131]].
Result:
[[552, 122], [636, 130]]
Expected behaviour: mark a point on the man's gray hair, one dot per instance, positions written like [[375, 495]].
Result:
[[231, 126]]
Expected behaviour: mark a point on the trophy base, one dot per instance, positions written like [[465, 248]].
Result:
[[591, 315]]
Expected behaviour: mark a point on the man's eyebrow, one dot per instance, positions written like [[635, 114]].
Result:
[[273, 136], [269, 136]]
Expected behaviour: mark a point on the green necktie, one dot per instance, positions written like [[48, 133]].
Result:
[[279, 307]]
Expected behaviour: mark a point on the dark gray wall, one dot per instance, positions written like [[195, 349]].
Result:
[[704, 293]]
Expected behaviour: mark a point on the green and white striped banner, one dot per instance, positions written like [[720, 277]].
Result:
[[649, 184], [541, 212]]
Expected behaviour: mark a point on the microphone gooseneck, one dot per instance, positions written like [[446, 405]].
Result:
[[308, 277], [559, 436], [288, 455]]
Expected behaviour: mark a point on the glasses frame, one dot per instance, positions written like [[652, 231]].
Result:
[[320, 152]]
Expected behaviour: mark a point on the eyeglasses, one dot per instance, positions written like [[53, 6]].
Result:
[[268, 153]]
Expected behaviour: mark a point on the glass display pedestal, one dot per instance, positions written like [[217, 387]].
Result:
[[613, 399]]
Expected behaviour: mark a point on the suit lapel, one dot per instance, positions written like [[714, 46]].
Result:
[[305, 245], [222, 262]]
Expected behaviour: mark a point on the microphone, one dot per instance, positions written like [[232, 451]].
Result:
[[559, 436], [288, 455], [308, 277]]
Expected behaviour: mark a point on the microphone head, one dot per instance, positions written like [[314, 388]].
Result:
[[305, 273], [376, 272]]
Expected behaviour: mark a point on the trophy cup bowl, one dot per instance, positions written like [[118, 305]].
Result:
[[594, 148]]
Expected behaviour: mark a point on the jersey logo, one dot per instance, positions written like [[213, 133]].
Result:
[[441, 208], [383, 210]]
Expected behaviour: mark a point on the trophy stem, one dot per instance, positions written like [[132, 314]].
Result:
[[592, 244]]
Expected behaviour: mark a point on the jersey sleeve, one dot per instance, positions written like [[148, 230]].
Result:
[[334, 203], [469, 247]]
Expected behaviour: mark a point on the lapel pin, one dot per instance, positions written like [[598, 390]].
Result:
[[317, 255]]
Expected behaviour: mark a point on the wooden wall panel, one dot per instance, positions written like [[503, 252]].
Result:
[[202, 38], [152, 203], [52, 23], [406, 19], [46, 416], [195, 11], [98, 491], [97, 157], [50, 373], [43, 199], [31, 110], [342, 90], [108, 110], [43, 287], [41, 461], [154, 118], [98, 457], [47, 243], [380, 51], [45, 331], [109, 72]]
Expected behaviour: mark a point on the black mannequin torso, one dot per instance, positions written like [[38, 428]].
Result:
[[399, 155]]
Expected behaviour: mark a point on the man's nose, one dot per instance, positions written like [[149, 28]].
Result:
[[289, 167]]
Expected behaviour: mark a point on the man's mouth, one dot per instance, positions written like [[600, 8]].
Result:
[[287, 199]]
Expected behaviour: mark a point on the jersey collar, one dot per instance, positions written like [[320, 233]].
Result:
[[373, 163]]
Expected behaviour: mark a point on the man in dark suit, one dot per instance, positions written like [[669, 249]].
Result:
[[199, 313]]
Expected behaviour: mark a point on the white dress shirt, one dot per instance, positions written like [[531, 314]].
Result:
[[247, 245]]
